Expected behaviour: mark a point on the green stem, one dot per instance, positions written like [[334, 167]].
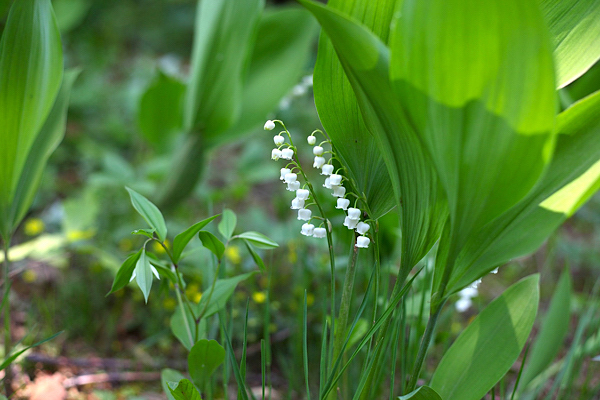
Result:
[[7, 336], [212, 289], [435, 313]]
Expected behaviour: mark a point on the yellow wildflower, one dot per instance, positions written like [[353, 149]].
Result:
[[259, 297], [34, 226], [232, 253]]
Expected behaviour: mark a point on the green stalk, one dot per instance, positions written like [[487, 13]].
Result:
[[8, 377], [435, 313]]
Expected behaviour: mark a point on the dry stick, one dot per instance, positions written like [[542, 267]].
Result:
[[110, 377]]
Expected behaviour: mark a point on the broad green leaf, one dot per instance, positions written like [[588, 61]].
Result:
[[184, 237], [258, 240], [572, 177], [49, 138], [160, 110], [178, 328], [277, 64], [227, 223], [575, 29], [169, 375], [183, 390], [486, 349], [70, 13], [149, 212], [365, 60], [224, 288], [422, 393], [341, 116], [203, 360], [125, 272], [211, 242], [553, 330], [483, 103], [256, 257], [31, 70], [143, 274], [223, 39]]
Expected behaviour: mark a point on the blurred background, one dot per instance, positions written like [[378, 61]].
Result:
[[78, 232]]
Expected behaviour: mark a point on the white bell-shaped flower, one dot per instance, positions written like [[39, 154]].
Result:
[[311, 140], [287, 154], [350, 223], [307, 229], [494, 271], [463, 304], [362, 228], [339, 191], [319, 233], [327, 169], [354, 213], [319, 162], [284, 172], [318, 151], [297, 204], [302, 194], [293, 186], [362, 242], [336, 179], [278, 140], [342, 204], [290, 177], [304, 214], [327, 183], [269, 125], [275, 154], [468, 292]]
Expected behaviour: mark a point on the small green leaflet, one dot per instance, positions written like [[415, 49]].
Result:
[[258, 240], [227, 224], [211, 242], [149, 212], [181, 240]]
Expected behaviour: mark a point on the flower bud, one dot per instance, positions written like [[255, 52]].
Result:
[[287, 154], [284, 172], [297, 204], [304, 214], [293, 186], [335, 179], [290, 177], [338, 191], [350, 223], [342, 204], [278, 140], [362, 242], [307, 229], [354, 213], [318, 151], [269, 125], [275, 154], [319, 162], [319, 233], [327, 169], [362, 228], [302, 194], [311, 140]]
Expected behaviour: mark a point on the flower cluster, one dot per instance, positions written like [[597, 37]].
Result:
[[333, 181]]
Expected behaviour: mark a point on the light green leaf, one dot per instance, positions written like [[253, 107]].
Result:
[[184, 237], [255, 257], [125, 271], [143, 274], [49, 138], [553, 330], [572, 177], [258, 240], [31, 69], [487, 348], [183, 390], [203, 360], [277, 63], [211, 242], [178, 328], [149, 212], [422, 393], [365, 60], [70, 13], [169, 375], [224, 288], [160, 110], [340, 114], [479, 102], [575, 29], [223, 39], [227, 223]]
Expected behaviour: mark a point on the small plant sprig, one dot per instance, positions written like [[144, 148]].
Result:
[[333, 181]]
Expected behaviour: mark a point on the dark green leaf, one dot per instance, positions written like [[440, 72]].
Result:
[[203, 360], [124, 273], [258, 240], [183, 390], [224, 288], [160, 110], [169, 375], [31, 71], [150, 212], [227, 223], [211, 242], [256, 257], [553, 330], [422, 393], [487, 348], [181, 240]]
